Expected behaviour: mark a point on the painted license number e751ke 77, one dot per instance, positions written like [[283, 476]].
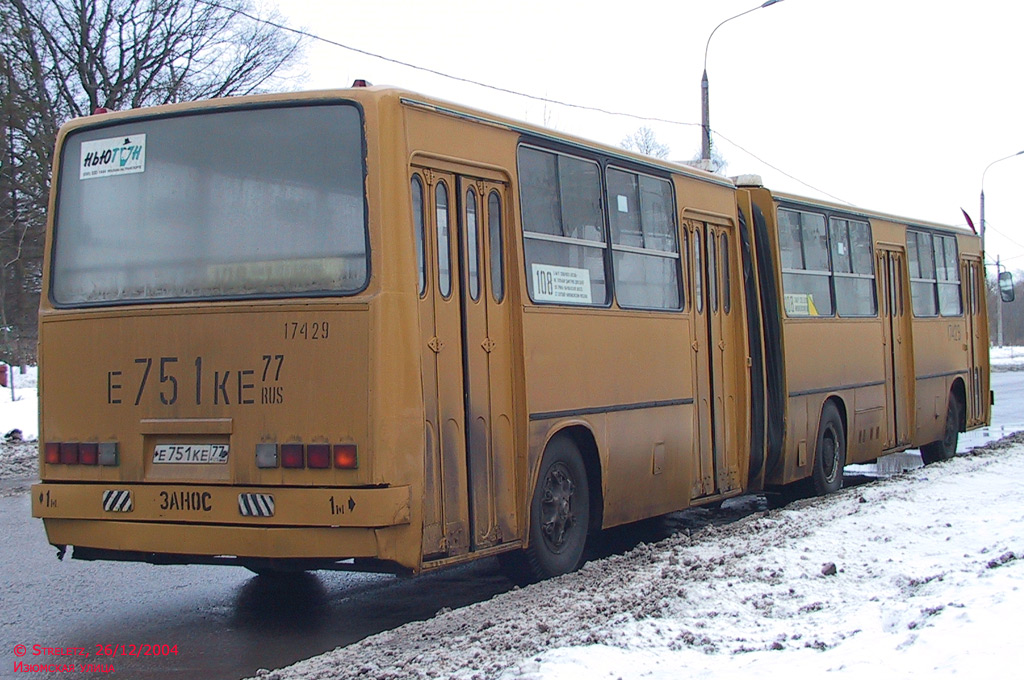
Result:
[[190, 453]]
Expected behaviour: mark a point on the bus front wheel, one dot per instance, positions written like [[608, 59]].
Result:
[[829, 452], [945, 448]]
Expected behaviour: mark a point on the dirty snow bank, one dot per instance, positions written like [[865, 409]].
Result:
[[917, 574]]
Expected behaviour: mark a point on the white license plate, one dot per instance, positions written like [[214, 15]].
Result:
[[191, 453]]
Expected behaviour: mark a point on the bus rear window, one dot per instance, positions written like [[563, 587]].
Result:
[[236, 203]]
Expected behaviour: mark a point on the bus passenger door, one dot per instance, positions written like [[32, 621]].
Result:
[[896, 346], [445, 500], [718, 365], [487, 336], [977, 384]]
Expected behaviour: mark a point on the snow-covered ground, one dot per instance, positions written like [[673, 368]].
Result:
[[21, 409], [1006, 358], [917, 574]]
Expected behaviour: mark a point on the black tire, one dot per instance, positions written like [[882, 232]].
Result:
[[829, 452], [945, 448], [559, 517]]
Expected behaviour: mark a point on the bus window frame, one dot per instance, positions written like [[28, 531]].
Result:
[[576, 155], [852, 275], [643, 250], [65, 166], [826, 273], [935, 282]]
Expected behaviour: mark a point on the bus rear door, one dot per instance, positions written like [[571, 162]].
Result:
[[465, 326]]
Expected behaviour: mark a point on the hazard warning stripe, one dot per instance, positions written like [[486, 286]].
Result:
[[256, 504], [117, 500]]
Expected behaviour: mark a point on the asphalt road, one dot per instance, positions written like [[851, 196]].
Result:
[[227, 623]]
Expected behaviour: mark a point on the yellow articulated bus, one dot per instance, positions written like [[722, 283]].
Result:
[[366, 329]]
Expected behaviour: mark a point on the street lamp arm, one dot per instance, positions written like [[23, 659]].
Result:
[[705, 147], [993, 163], [982, 207], [707, 45]]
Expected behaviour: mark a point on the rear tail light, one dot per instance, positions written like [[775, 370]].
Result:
[[345, 456], [89, 454], [74, 453], [291, 456], [318, 456], [296, 456], [68, 453]]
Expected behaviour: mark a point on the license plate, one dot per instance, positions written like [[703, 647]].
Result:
[[191, 453]]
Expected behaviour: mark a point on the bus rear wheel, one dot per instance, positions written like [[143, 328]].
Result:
[[559, 517], [829, 452], [945, 448]]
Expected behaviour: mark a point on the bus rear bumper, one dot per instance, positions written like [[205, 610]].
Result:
[[211, 524]]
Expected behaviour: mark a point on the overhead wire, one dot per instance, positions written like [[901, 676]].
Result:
[[505, 90]]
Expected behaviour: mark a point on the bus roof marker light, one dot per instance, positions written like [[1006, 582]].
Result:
[[108, 453], [359, 82], [345, 457], [51, 453]]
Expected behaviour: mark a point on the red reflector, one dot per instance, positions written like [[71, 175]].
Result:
[[51, 453], [69, 454], [318, 456], [291, 456], [88, 454], [345, 456]]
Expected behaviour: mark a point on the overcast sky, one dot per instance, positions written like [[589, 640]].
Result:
[[893, 105]]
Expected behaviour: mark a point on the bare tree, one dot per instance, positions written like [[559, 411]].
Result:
[[644, 141], [61, 59]]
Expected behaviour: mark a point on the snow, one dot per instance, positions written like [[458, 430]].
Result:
[[928, 580], [21, 412], [1006, 358], [916, 574]]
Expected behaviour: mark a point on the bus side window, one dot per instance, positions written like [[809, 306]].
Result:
[[420, 235], [921, 260], [724, 250], [497, 261], [563, 227], [947, 271], [472, 246], [698, 274], [806, 273], [853, 267], [444, 253], [644, 247]]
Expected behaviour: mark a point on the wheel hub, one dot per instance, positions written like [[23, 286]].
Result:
[[556, 507]]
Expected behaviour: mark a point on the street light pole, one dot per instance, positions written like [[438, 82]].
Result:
[[982, 210], [705, 145], [999, 298]]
